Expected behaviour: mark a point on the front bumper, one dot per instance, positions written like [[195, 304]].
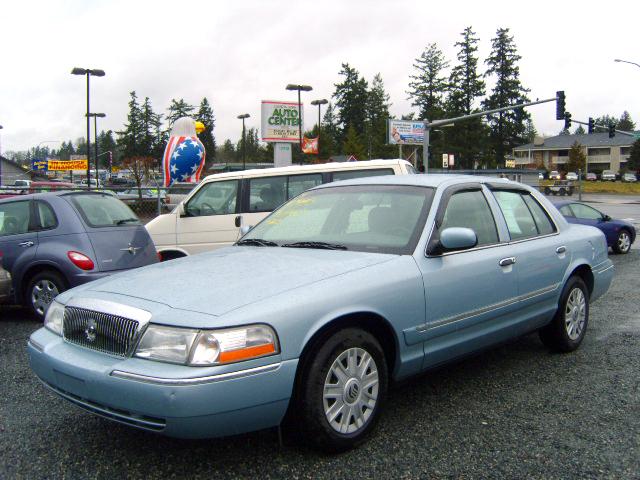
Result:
[[175, 400]]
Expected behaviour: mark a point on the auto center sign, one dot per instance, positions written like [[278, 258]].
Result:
[[281, 121]]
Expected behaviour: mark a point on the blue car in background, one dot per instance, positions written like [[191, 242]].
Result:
[[52, 241], [312, 314], [620, 234]]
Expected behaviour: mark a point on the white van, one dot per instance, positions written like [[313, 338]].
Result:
[[211, 215]]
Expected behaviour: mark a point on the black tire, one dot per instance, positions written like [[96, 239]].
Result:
[[563, 192], [621, 246], [42, 289], [310, 401], [166, 256], [547, 191], [555, 335]]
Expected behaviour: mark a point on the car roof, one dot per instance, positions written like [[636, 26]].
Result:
[[421, 180], [42, 195]]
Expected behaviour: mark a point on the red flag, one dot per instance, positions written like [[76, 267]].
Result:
[[310, 145]]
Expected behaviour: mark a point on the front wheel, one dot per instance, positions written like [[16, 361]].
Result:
[[569, 325], [343, 390], [42, 289], [623, 243]]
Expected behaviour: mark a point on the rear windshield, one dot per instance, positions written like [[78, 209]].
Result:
[[103, 210]]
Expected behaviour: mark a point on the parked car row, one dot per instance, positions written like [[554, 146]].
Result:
[[606, 176]]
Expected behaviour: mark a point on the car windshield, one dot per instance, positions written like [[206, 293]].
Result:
[[367, 218], [103, 210]]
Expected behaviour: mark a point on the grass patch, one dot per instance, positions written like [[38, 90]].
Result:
[[622, 188]]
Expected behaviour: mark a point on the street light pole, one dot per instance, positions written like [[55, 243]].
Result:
[[324, 101], [299, 88], [617, 60], [244, 143], [96, 73], [95, 137]]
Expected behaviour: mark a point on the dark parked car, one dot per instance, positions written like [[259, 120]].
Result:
[[620, 234], [53, 241]]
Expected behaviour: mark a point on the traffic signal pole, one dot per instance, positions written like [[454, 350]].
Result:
[[606, 127], [448, 121]]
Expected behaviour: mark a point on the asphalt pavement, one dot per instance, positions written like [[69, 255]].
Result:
[[516, 411]]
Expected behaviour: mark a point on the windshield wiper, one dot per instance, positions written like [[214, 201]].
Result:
[[126, 220], [257, 242], [324, 245]]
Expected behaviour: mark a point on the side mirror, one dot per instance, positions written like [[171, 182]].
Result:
[[245, 229], [181, 210], [606, 218], [458, 238]]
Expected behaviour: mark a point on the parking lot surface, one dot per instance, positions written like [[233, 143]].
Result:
[[516, 411]]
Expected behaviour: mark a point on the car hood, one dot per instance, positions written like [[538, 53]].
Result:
[[218, 282]]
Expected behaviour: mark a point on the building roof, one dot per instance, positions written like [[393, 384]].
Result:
[[564, 142]]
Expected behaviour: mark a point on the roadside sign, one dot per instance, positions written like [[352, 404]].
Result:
[[445, 160], [39, 165], [58, 165], [405, 132]]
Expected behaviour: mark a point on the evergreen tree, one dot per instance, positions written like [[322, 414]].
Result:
[[507, 128], [328, 134], [564, 131], [178, 109], [377, 117], [351, 100], [577, 158], [579, 130], [254, 152], [633, 163], [428, 85], [129, 140], [530, 131], [466, 138], [205, 115], [352, 144], [106, 143], [147, 122], [227, 153], [625, 123], [605, 120]]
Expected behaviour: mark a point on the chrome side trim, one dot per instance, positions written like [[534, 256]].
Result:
[[489, 308], [111, 308], [36, 345], [604, 270], [194, 380]]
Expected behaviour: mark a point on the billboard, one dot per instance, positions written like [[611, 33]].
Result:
[[39, 165], [59, 165], [280, 121], [405, 132]]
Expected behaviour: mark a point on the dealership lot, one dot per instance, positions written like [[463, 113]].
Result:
[[514, 411]]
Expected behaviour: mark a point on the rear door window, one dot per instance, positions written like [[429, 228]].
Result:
[[523, 216], [46, 217], [367, 172], [14, 218], [103, 210]]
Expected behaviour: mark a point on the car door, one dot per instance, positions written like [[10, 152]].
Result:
[[539, 251], [209, 218], [18, 236], [469, 294]]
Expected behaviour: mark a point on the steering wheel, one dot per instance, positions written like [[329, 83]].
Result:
[[209, 208]]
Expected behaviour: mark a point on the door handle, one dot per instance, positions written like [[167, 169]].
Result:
[[239, 221], [561, 249], [505, 262], [28, 243]]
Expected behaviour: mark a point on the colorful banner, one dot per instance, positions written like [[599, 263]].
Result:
[[280, 121], [60, 165], [39, 165], [310, 145], [405, 132]]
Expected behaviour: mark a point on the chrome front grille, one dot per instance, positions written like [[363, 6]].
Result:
[[99, 331]]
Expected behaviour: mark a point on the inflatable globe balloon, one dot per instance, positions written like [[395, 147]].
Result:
[[184, 154]]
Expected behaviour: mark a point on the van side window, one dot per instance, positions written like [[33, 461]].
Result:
[[300, 183], [214, 198], [14, 218], [267, 193], [367, 172]]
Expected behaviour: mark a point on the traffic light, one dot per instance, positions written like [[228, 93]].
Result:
[[612, 130], [567, 120], [560, 105], [592, 125]]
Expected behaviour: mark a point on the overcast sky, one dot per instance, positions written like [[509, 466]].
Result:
[[237, 53]]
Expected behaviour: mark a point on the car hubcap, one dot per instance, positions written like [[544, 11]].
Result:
[[624, 242], [351, 390], [575, 313], [42, 295]]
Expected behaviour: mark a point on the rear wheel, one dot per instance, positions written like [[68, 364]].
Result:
[[569, 325], [547, 191], [343, 390], [42, 289], [562, 192], [169, 255], [623, 243]]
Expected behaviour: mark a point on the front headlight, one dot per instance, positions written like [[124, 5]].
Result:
[[54, 318], [207, 347]]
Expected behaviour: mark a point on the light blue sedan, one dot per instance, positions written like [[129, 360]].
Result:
[[311, 316]]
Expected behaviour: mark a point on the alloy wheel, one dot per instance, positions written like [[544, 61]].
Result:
[[42, 294], [575, 313], [624, 242]]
